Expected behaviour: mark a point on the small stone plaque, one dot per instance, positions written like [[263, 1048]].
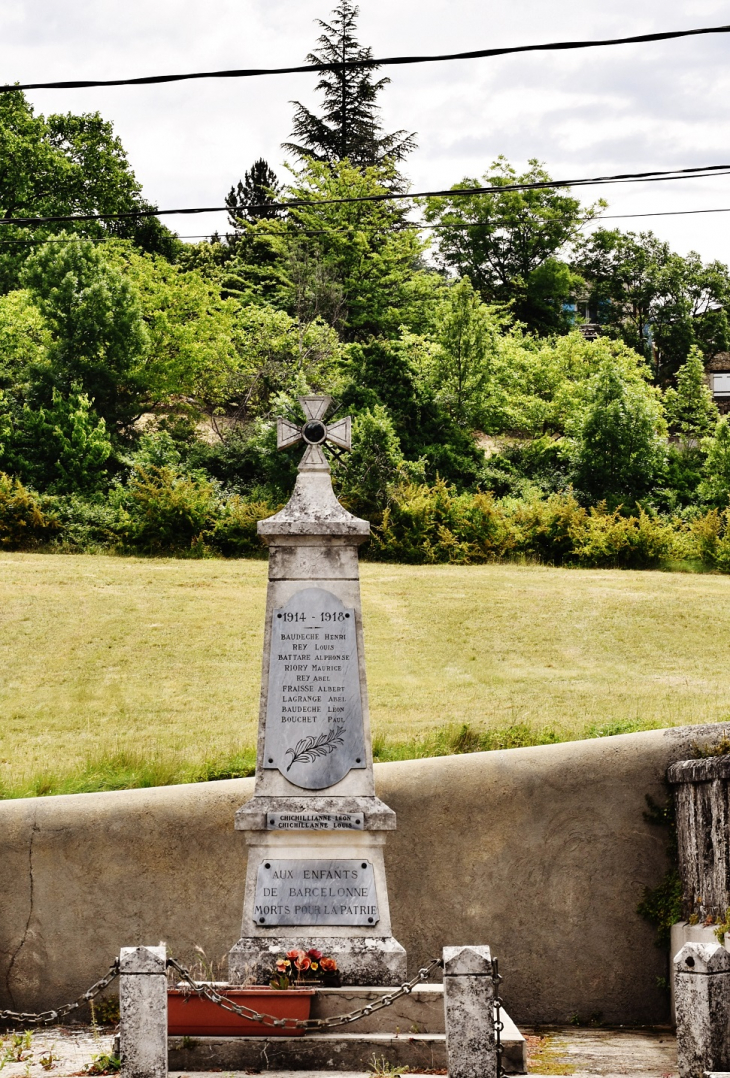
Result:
[[314, 725], [316, 892], [314, 821]]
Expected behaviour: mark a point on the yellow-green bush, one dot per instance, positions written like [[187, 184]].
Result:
[[234, 533], [23, 521], [435, 524]]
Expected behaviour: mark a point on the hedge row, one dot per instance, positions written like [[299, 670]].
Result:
[[162, 513]]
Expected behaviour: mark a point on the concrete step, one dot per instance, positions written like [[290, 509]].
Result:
[[330, 1051], [420, 1012], [408, 1033], [315, 1051]]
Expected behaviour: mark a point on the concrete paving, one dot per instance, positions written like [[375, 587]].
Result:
[[609, 1053]]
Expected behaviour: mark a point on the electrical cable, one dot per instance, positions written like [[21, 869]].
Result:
[[655, 176], [386, 61], [417, 225]]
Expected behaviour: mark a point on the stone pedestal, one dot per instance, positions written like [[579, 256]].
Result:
[[702, 994], [143, 1012], [702, 795], [315, 829]]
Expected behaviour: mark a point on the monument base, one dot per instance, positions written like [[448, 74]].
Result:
[[364, 960]]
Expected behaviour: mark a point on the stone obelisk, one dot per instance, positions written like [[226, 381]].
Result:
[[314, 827]]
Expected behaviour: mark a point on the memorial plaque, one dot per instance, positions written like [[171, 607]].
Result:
[[316, 892], [314, 821], [314, 726]]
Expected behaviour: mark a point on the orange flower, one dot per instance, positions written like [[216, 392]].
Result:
[[302, 963], [294, 955], [328, 965], [282, 965]]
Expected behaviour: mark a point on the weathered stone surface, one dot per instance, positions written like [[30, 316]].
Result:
[[314, 747], [315, 1051], [312, 510], [314, 725], [681, 933], [469, 1012], [143, 1012], [376, 816], [702, 797], [305, 891], [361, 960], [702, 999], [143, 959]]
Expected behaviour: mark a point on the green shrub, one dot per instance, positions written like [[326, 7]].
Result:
[[234, 532], [23, 521], [167, 512], [610, 539]]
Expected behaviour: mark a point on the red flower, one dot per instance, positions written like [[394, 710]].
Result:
[[328, 965], [314, 954], [293, 955], [302, 963]]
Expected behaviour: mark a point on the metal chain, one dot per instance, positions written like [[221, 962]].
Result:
[[46, 1017], [498, 1023], [387, 1000]]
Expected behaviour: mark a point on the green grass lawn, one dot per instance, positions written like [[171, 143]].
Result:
[[157, 662]]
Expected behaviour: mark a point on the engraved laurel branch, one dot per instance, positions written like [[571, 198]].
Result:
[[309, 748]]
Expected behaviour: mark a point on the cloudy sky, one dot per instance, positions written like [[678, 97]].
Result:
[[628, 108]]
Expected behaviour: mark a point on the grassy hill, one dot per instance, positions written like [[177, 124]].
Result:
[[122, 671]]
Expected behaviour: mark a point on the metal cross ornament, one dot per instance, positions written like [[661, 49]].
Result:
[[314, 431]]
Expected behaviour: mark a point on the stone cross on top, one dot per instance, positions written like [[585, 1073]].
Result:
[[314, 431]]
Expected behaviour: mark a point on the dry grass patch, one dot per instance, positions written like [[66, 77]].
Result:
[[158, 661]]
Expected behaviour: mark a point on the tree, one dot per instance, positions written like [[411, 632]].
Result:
[[466, 331], [349, 127], [375, 463], [691, 411], [619, 446], [60, 449], [507, 243], [715, 486], [657, 301], [99, 337], [353, 264], [65, 164], [252, 198]]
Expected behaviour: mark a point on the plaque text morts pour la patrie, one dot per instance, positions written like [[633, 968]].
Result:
[[314, 725]]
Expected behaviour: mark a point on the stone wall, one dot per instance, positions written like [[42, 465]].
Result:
[[541, 853]]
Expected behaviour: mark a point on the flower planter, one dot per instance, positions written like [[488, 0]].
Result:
[[193, 1015]]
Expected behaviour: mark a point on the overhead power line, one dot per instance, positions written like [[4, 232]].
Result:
[[417, 225], [699, 173], [385, 61]]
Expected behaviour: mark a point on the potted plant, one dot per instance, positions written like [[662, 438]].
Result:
[[293, 982]]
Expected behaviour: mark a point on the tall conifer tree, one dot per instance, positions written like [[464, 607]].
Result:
[[349, 126], [253, 197]]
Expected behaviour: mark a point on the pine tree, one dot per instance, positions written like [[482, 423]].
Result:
[[350, 126], [690, 408], [253, 197]]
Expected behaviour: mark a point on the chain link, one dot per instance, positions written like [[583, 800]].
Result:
[[46, 1017], [498, 1023], [226, 1004]]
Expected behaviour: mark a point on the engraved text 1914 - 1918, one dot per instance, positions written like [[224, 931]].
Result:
[[314, 722]]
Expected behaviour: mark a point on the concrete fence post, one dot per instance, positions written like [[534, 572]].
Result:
[[702, 999], [143, 1012], [469, 1012]]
